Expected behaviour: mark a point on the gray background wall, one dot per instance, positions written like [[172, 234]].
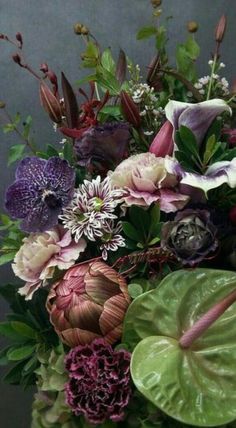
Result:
[[48, 36]]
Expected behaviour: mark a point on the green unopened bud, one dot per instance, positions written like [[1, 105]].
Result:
[[156, 3], [2, 104], [81, 29], [192, 26]]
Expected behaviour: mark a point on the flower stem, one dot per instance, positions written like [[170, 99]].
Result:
[[189, 337], [211, 78]]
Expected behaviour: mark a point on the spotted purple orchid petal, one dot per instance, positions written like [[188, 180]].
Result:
[[197, 117], [41, 190]]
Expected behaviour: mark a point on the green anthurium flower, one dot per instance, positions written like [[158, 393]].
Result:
[[188, 373]]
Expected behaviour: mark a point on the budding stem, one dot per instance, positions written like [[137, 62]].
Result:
[[206, 321]]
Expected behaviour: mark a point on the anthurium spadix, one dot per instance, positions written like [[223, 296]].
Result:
[[197, 117], [182, 335]]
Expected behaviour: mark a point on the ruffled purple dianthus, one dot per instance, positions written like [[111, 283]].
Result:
[[99, 382]]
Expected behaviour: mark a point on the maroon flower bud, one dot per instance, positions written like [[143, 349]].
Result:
[[17, 59], [163, 143], [44, 67], [19, 38], [130, 110], [50, 103], [232, 215], [231, 136], [220, 29], [121, 67]]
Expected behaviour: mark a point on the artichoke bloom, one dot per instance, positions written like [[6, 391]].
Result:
[[89, 302], [146, 178]]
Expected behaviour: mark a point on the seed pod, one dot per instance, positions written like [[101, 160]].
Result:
[[192, 26], [2, 104], [156, 3], [81, 29]]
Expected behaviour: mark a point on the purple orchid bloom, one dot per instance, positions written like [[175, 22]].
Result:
[[105, 145], [41, 189], [197, 117]]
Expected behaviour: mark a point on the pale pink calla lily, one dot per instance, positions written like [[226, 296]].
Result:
[[197, 117], [163, 143]]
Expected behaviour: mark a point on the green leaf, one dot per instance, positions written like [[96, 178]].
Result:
[[135, 290], [107, 81], [51, 151], [146, 32], [27, 127], [130, 231], [7, 330], [192, 48], [161, 38], [68, 152], [108, 62], [189, 140], [91, 55], [175, 379], [24, 329], [3, 356], [7, 257], [20, 353], [16, 153]]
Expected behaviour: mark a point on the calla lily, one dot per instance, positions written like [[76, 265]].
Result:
[[197, 117], [163, 143], [220, 173]]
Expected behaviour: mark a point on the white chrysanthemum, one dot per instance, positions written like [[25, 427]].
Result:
[[111, 239], [93, 204]]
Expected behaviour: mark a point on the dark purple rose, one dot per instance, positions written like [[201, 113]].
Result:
[[99, 381], [191, 236], [103, 147], [41, 189]]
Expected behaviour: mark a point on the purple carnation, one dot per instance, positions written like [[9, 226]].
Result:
[[103, 146], [41, 189], [99, 386]]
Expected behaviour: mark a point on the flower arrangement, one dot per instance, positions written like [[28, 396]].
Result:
[[123, 238]]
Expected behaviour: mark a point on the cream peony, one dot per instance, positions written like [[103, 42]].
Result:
[[147, 179], [41, 253]]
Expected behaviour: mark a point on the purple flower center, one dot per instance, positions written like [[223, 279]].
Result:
[[51, 200]]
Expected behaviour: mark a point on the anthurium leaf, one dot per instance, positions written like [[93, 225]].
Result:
[[196, 386]]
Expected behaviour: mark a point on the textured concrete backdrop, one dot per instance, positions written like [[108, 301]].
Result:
[[47, 27]]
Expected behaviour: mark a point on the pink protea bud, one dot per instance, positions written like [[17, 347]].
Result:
[[220, 29], [89, 302], [50, 103], [130, 110], [163, 143]]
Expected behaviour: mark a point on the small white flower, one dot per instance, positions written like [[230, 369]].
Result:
[[225, 82], [204, 80], [148, 133], [189, 94], [143, 113], [63, 141], [111, 239], [54, 125], [215, 76], [198, 85], [202, 91], [222, 65], [210, 62]]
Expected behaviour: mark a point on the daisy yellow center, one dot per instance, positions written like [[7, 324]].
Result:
[[97, 203]]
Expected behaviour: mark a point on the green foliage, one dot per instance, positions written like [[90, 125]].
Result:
[[143, 228], [11, 240], [146, 32], [16, 153], [203, 373], [186, 55], [28, 331], [91, 55]]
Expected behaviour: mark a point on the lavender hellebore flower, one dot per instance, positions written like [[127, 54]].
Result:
[[99, 382], [41, 189], [105, 145]]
